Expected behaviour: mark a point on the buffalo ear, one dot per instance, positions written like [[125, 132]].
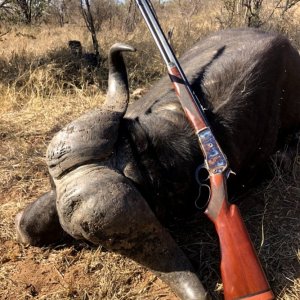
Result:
[[38, 223]]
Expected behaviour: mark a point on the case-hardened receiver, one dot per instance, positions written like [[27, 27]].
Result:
[[215, 159]]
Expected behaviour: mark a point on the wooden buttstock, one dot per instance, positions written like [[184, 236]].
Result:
[[242, 274]]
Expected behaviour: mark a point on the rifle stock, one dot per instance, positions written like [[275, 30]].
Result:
[[241, 271]]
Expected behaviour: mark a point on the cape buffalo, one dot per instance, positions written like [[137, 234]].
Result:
[[115, 169]]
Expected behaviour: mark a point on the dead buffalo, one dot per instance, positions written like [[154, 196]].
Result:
[[115, 171]]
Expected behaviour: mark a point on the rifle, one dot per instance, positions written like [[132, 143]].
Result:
[[241, 271]]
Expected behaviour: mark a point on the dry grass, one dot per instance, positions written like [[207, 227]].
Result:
[[39, 93]]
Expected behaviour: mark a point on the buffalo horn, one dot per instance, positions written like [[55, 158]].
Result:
[[117, 95]]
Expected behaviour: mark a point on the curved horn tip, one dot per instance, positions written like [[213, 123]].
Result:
[[121, 47]]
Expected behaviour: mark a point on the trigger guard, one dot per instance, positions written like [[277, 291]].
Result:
[[199, 196], [199, 180]]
